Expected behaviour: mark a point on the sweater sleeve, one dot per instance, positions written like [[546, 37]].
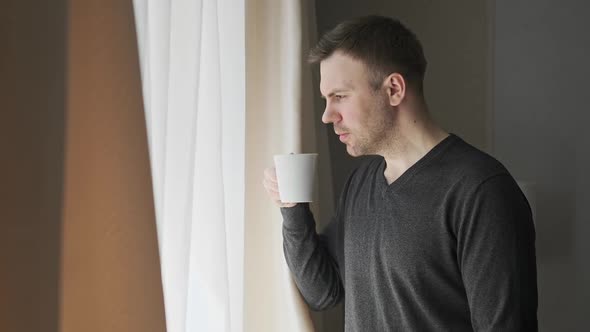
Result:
[[496, 255], [311, 257]]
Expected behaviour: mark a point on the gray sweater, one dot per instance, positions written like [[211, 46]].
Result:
[[448, 246]]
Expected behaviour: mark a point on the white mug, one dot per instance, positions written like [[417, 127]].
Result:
[[295, 176]]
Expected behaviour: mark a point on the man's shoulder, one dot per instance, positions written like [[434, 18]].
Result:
[[468, 164]]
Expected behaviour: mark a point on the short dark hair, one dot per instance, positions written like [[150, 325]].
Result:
[[383, 44]]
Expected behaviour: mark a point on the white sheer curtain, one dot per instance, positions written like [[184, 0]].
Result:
[[219, 235], [192, 64]]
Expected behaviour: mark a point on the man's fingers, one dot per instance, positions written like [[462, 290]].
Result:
[[271, 186], [270, 174], [272, 190]]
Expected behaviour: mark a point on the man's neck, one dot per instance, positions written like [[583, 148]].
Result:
[[415, 136]]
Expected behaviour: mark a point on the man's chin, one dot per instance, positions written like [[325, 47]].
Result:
[[352, 152]]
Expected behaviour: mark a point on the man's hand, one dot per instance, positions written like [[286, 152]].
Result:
[[272, 187]]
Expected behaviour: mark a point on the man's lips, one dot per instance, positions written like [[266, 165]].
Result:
[[343, 136]]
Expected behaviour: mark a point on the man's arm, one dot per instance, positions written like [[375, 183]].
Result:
[[312, 258], [496, 255], [316, 261]]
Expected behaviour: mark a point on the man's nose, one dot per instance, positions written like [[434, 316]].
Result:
[[330, 115]]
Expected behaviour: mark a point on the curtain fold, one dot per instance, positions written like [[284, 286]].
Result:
[[280, 118], [192, 67]]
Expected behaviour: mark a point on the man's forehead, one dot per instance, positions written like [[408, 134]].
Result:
[[340, 71]]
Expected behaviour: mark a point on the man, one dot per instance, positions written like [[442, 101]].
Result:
[[430, 235]]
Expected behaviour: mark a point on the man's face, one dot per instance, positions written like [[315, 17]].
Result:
[[361, 116]]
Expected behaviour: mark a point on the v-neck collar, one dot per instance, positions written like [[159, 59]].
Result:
[[414, 169]]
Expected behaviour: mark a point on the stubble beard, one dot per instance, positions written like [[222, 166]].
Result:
[[379, 133]]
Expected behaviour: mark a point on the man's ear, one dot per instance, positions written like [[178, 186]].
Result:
[[395, 85]]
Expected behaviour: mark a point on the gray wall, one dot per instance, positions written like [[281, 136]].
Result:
[[541, 86]]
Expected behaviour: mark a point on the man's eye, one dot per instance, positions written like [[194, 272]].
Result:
[[338, 97]]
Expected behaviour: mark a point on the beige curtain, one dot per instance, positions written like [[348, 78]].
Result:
[[280, 118], [110, 275]]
